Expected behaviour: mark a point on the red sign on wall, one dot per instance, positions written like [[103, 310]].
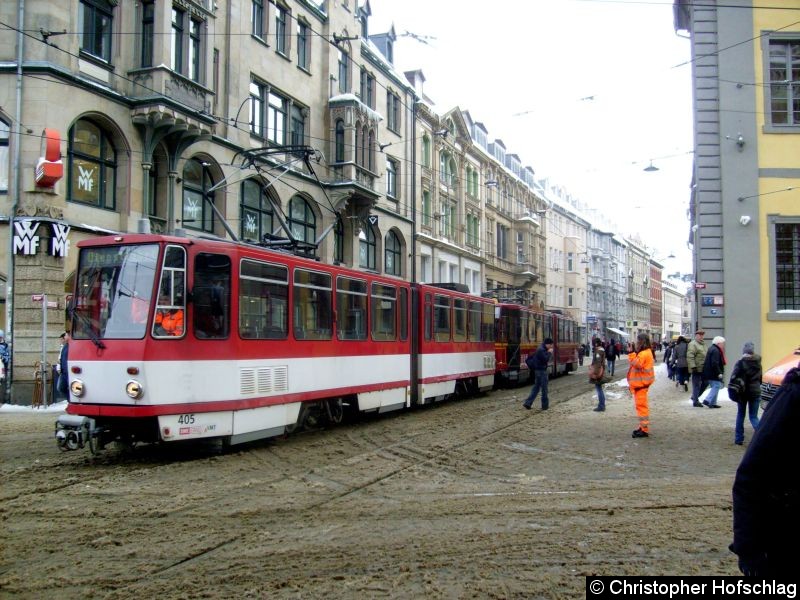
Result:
[[49, 168]]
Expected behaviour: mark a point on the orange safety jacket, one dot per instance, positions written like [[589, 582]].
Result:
[[171, 321], [641, 373]]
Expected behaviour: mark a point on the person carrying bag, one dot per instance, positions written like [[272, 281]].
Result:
[[597, 373]]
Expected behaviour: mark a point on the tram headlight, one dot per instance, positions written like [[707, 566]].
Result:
[[134, 389], [76, 388]]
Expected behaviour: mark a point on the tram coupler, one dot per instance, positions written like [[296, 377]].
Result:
[[73, 432]]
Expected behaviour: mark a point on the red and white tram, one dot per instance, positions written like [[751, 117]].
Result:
[[520, 331], [177, 339]]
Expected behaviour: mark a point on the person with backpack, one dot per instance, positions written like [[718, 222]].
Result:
[[766, 490], [745, 389]]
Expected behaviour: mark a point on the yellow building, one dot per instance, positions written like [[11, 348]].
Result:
[[746, 190]]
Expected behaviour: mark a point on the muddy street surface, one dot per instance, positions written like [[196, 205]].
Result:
[[470, 498]]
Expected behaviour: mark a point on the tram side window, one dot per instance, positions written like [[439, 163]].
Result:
[[502, 326], [312, 310], [428, 320], [351, 309], [170, 312], [459, 320], [537, 328], [487, 323], [211, 296], [524, 327], [263, 301], [474, 322], [404, 314], [384, 312], [548, 329], [441, 318]]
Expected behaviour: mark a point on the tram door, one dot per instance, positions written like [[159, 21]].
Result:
[[514, 332]]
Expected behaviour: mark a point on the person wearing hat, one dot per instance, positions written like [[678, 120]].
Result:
[[714, 369], [695, 358], [537, 363]]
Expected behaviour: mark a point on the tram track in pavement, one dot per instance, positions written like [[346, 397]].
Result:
[[397, 449]]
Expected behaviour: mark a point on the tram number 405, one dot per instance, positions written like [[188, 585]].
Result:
[[186, 419]]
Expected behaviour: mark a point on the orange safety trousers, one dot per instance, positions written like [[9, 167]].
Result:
[[642, 410]]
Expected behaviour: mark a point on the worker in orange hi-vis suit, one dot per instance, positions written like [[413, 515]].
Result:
[[641, 376], [169, 322]]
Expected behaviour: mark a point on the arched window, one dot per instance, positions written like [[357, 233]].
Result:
[[359, 143], [443, 163], [365, 148], [302, 221], [391, 255], [452, 173], [255, 211], [371, 151], [339, 141], [426, 151], [338, 241], [197, 182], [366, 248], [92, 166]]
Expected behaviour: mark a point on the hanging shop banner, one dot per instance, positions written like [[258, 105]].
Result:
[[27, 239], [49, 167]]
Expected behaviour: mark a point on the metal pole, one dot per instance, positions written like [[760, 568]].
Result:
[[44, 350]]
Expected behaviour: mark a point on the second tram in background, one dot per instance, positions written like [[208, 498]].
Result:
[[519, 332]]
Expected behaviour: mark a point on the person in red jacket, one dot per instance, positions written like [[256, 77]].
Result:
[[641, 376]]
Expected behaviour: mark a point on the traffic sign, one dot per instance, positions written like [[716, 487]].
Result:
[[699, 286]]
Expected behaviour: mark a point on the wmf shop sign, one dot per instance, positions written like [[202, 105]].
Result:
[[28, 236]]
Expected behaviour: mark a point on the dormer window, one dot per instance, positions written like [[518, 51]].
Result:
[[390, 51]]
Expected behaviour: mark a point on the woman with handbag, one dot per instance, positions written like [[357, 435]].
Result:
[[745, 389], [597, 372]]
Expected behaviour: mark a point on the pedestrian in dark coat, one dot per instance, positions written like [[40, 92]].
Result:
[[62, 385], [538, 364], [680, 363], [748, 369], [611, 356], [714, 369], [667, 361], [766, 491]]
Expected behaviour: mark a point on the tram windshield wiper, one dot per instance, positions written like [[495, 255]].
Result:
[[88, 327]]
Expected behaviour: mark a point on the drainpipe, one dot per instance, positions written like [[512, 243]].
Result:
[[17, 188], [415, 300]]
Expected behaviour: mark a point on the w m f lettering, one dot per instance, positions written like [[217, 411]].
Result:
[[25, 239], [59, 244]]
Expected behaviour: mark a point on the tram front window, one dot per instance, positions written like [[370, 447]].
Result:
[[114, 288]]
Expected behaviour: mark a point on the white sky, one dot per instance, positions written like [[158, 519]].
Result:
[[542, 58]]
